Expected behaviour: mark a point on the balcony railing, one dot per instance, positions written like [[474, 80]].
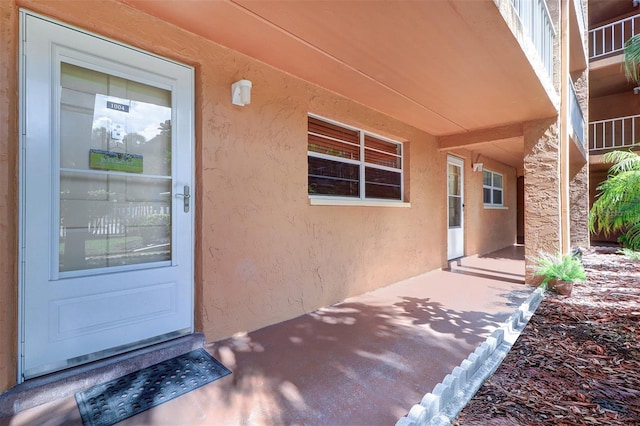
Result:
[[537, 23], [615, 133], [610, 38], [577, 119]]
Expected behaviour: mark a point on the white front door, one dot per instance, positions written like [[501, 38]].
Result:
[[106, 214], [455, 207]]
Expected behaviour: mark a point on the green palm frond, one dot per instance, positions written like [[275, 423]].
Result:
[[632, 58], [617, 207], [618, 203], [632, 236], [622, 161]]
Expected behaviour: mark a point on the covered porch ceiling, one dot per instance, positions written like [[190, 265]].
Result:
[[446, 67]]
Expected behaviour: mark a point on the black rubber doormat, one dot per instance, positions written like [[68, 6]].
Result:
[[119, 399]]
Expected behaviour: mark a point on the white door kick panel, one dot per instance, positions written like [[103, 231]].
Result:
[[68, 318]]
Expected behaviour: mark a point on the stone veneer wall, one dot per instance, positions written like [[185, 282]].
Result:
[[542, 190], [579, 178], [579, 203]]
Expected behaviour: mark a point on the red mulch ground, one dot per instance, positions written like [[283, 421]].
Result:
[[577, 362]]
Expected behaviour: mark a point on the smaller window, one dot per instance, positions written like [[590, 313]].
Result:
[[492, 188]]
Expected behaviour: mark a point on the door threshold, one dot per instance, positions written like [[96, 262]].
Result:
[[62, 384]]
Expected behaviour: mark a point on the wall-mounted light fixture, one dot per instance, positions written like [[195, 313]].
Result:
[[241, 92], [636, 90], [476, 166]]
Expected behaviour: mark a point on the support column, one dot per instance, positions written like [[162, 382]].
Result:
[[565, 125], [579, 177], [579, 193], [542, 202]]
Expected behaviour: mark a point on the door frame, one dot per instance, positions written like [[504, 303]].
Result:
[[22, 186], [459, 162]]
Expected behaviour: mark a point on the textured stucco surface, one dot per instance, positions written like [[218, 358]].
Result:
[[542, 189], [579, 203], [487, 229], [579, 174], [263, 254], [8, 192]]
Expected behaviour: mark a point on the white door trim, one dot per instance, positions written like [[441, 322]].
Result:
[[182, 173], [455, 236]]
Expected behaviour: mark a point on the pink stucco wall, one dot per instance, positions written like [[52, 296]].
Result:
[[263, 253], [488, 229], [267, 253]]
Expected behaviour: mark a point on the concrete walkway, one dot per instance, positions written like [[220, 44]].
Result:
[[367, 360]]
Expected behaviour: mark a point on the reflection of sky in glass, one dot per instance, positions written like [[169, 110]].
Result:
[[143, 118]]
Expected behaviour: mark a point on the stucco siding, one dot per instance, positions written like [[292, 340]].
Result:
[[489, 228], [267, 253], [542, 189], [263, 253], [579, 204]]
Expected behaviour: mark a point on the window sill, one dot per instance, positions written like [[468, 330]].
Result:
[[330, 201], [491, 207]]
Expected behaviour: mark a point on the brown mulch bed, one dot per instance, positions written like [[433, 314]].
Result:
[[577, 362]]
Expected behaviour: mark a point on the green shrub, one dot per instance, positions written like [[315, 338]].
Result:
[[630, 254], [564, 268]]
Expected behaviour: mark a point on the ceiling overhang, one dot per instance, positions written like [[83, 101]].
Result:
[[445, 67]]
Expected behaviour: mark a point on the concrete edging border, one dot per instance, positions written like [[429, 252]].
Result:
[[448, 398]]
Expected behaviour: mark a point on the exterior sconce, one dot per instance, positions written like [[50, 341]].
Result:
[[477, 167], [241, 92], [636, 90]]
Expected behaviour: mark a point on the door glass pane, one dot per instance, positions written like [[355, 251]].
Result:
[[115, 171], [454, 180], [455, 212]]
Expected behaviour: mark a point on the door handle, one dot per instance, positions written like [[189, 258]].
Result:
[[186, 197]]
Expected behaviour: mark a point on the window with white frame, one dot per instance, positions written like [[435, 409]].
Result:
[[492, 188], [348, 162]]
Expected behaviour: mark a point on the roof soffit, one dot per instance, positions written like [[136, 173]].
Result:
[[445, 67]]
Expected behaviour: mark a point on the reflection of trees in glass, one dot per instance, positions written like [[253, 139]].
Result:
[[134, 139], [99, 137], [165, 130], [131, 141]]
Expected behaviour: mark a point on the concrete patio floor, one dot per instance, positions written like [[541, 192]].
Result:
[[366, 360]]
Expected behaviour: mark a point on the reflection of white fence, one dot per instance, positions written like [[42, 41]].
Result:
[[117, 221], [107, 225]]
